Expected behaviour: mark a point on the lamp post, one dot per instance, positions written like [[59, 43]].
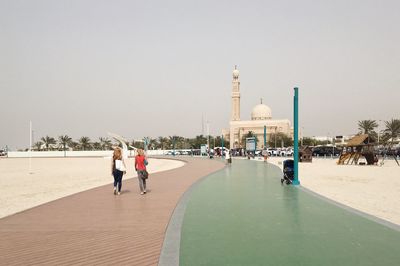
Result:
[[30, 147], [333, 146], [379, 132], [265, 137], [173, 145], [301, 135], [208, 136], [296, 136]]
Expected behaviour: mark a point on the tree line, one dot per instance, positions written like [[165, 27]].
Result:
[[64, 142], [388, 136]]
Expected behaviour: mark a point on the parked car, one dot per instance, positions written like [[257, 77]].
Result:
[[272, 152], [389, 152], [326, 151], [286, 152], [173, 153]]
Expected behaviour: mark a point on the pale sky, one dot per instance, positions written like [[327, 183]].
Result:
[[151, 68]]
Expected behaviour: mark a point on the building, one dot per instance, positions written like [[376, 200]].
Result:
[[261, 116]]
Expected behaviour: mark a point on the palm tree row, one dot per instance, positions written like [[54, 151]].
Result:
[[179, 142], [389, 135], [64, 142]]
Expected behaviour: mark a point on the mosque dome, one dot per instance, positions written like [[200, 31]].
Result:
[[261, 112]]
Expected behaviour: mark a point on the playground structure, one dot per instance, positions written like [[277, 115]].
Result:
[[358, 147], [305, 154]]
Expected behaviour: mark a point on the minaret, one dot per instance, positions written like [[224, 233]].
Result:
[[235, 96]]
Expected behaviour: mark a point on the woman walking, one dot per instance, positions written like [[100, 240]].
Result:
[[140, 167], [118, 169]]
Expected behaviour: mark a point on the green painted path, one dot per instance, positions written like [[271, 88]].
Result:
[[242, 215]]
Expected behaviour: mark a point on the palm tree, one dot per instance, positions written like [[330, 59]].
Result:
[[84, 143], [48, 141], [105, 143], [163, 142], [74, 145], [179, 142], [153, 143], [367, 126], [198, 141], [64, 141], [172, 142], [392, 130], [96, 146], [38, 145]]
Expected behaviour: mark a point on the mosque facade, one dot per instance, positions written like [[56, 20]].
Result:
[[261, 116]]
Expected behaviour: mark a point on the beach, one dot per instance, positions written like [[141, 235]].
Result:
[[372, 189], [54, 178]]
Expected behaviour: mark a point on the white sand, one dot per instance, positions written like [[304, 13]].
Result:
[[371, 189], [54, 178]]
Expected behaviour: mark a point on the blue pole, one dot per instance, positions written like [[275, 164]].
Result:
[[296, 136], [146, 143], [265, 137]]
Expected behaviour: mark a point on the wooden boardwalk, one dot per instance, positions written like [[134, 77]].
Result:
[[96, 227]]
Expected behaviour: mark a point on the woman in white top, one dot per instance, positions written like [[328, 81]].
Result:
[[118, 169]]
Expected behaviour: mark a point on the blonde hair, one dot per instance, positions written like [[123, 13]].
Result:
[[140, 152], [117, 154]]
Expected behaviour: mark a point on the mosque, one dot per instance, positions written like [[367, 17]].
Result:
[[261, 116]]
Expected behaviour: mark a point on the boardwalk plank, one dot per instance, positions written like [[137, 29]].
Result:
[[96, 227]]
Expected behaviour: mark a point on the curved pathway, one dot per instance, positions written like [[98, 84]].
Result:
[[97, 228], [242, 215]]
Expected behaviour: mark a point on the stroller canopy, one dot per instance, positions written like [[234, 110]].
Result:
[[288, 164]]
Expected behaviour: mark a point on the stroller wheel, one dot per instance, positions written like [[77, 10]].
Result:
[[281, 180]]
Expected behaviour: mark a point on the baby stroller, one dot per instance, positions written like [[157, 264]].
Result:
[[288, 171]]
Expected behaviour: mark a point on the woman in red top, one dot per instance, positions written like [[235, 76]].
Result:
[[140, 167]]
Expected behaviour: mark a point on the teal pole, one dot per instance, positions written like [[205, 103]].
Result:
[[296, 136], [146, 143], [265, 137]]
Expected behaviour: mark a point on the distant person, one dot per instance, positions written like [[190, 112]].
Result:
[[118, 169], [265, 155], [140, 167], [228, 157]]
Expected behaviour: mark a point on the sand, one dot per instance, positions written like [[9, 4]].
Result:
[[54, 178], [374, 190]]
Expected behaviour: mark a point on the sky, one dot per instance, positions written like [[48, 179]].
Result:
[[155, 68]]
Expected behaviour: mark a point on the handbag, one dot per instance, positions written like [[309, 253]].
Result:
[[145, 174], [146, 162], [119, 165]]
